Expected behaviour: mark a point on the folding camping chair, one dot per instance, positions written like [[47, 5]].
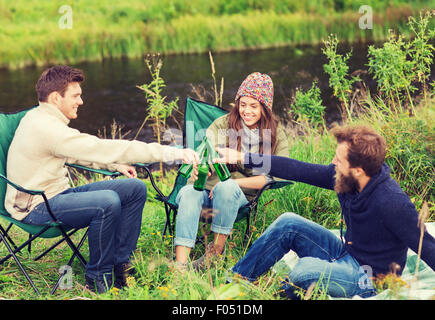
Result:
[[8, 124], [199, 116]]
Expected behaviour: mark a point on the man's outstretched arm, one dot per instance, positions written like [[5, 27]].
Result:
[[283, 167]]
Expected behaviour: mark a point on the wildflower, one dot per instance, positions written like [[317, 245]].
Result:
[[131, 281], [115, 291]]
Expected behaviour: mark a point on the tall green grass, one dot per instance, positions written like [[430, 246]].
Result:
[[30, 34], [410, 146]]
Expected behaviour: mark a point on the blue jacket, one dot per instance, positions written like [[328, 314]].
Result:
[[381, 220]]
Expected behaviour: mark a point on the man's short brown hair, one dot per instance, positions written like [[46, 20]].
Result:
[[366, 150], [57, 79]]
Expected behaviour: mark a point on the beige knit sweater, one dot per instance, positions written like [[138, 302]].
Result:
[[44, 142]]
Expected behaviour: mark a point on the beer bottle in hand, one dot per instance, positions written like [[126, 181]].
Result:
[[221, 168], [203, 168], [186, 168]]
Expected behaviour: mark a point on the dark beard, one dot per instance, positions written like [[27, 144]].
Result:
[[345, 184]]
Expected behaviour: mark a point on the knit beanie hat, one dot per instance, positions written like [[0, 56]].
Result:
[[258, 86]]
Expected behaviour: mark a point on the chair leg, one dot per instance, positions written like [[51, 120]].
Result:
[[169, 226], [174, 216], [54, 245], [5, 233], [168, 220], [29, 247], [73, 247], [22, 246], [19, 264], [53, 290]]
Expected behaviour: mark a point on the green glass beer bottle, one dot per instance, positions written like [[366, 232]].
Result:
[[186, 168], [222, 171], [221, 168], [203, 168]]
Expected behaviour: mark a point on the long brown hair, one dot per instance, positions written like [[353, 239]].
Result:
[[268, 121]]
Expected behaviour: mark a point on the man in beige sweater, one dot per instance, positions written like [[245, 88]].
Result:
[[112, 210]]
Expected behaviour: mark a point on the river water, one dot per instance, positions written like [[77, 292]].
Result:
[[110, 91]]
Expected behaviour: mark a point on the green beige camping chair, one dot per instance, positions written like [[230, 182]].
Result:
[[8, 124], [197, 118]]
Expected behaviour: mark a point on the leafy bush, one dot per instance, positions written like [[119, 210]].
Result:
[[398, 65], [392, 70], [338, 70], [308, 106]]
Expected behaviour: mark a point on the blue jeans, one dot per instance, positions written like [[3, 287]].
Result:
[[113, 212], [322, 258], [227, 199]]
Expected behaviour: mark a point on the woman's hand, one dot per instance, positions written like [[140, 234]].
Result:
[[210, 195]]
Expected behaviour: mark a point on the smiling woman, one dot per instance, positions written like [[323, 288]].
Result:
[[253, 110], [250, 111], [251, 127]]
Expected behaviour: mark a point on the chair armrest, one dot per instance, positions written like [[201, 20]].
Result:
[[146, 167], [270, 185], [143, 165], [20, 188], [32, 192], [100, 171]]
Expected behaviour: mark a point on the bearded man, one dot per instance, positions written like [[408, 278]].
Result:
[[381, 221]]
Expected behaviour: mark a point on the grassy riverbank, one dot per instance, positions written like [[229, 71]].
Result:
[[31, 32]]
